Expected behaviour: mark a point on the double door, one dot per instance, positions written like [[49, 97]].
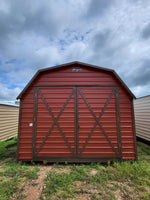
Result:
[[76, 124]]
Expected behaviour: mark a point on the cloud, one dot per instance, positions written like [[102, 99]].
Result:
[[146, 32], [141, 75], [140, 90], [7, 94], [109, 33], [98, 7], [100, 40], [20, 18]]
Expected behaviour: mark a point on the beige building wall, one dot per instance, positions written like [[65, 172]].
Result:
[[8, 121], [142, 117]]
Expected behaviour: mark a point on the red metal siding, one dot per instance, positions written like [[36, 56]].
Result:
[[55, 145], [87, 77]]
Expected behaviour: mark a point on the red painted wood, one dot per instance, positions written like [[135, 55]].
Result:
[[96, 98]]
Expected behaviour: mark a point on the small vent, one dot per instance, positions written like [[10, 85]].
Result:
[[76, 70]]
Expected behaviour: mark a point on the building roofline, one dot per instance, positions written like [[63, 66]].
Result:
[[143, 97], [71, 63], [3, 104]]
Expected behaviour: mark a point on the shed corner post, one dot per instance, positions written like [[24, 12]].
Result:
[[19, 127], [134, 130]]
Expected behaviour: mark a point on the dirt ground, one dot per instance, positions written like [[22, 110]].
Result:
[[32, 188]]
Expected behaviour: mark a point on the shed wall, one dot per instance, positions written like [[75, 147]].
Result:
[[142, 117], [8, 121], [65, 77]]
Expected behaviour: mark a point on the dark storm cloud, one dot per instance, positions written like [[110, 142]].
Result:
[[98, 7], [100, 40], [141, 75], [146, 32], [25, 17]]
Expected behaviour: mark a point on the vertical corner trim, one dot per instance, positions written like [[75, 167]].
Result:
[[134, 131], [19, 126]]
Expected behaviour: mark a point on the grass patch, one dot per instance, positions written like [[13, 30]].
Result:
[[33, 173], [120, 180], [12, 174], [133, 172], [61, 184], [131, 179], [7, 187], [7, 146], [12, 169], [143, 149]]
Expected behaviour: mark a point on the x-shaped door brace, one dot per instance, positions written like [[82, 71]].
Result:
[[62, 133], [97, 121], [55, 121]]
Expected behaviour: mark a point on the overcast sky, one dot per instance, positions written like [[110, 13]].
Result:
[[36, 34]]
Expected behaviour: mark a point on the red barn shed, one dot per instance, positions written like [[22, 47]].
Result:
[[76, 112]]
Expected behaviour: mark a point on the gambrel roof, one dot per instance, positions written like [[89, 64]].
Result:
[[80, 64]]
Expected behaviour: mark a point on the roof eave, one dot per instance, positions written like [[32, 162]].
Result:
[[123, 83]]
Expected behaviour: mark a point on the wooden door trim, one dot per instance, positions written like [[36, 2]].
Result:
[[118, 121], [76, 121]]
